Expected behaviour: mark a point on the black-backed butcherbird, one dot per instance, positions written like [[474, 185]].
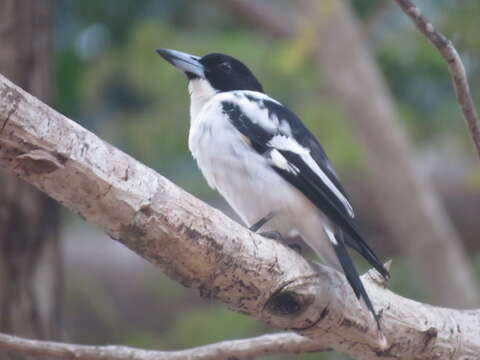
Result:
[[267, 165]]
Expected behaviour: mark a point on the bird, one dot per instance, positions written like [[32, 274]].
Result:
[[267, 165]]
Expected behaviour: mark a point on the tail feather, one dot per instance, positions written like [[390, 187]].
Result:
[[351, 273], [363, 249]]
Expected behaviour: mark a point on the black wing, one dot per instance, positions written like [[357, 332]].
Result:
[[305, 138], [301, 174]]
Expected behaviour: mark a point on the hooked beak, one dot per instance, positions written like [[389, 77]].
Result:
[[183, 61]]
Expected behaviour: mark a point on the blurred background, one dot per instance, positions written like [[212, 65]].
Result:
[[368, 85]]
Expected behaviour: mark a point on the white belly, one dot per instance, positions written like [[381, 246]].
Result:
[[240, 175]]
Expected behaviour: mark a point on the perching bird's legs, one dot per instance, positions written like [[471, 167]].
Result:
[[255, 227], [296, 247], [275, 235]]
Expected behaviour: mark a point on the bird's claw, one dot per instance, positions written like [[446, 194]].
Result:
[[296, 247], [274, 235], [255, 227]]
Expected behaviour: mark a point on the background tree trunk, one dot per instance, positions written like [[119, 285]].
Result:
[[30, 266]]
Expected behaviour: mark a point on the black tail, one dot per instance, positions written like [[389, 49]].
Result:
[[363, 249], [352, 275]]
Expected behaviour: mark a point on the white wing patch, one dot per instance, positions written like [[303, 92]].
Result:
[[330, 235], [256, 95], [255, 110], [283, 142], [280, 162], [289, 144]]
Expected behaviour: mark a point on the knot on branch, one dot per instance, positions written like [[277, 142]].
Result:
[[301, 304], [286, 303], [41, 161]]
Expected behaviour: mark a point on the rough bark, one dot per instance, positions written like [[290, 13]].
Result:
[[201, 248], [30, 275], [414, 214], [244, 349]]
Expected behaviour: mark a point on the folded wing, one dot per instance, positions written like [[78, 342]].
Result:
[[294, 153]]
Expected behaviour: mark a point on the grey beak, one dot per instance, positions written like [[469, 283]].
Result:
[[183, 61]]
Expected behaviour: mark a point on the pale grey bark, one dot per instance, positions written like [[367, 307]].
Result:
[[201, 248], [244, 349], [411, 208]]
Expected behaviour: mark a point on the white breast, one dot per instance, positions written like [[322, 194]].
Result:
[[230, 165]]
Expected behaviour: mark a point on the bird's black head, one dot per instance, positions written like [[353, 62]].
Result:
[[226, 73], [223, 72]]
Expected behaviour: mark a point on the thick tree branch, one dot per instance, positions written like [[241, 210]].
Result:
[[201, 248], [274, 344], [455, 67]]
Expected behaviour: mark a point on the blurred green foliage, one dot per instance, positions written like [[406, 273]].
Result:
[[109, 79]]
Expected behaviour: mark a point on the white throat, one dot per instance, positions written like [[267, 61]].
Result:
[[200, 93]]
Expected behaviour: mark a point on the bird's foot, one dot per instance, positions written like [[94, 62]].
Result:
[[255, 227], [296, 247], [274, 235]]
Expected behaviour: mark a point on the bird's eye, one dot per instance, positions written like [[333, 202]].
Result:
[[225, 66]]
